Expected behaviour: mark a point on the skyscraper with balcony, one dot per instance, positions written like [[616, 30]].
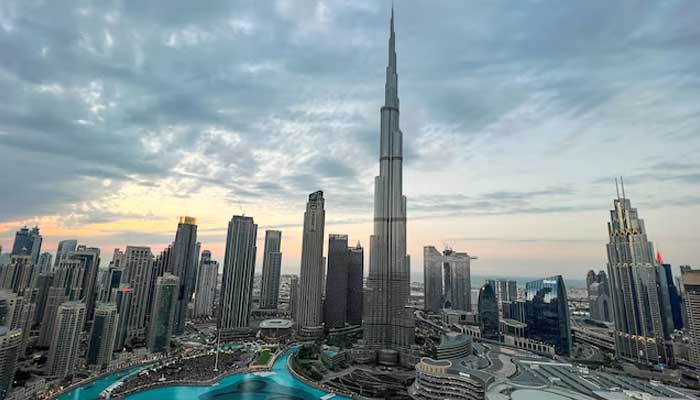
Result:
[[184, 266], [641, 306], [272, 265], [10, 344], [138, 267], [387, 322], [310, 302], [65, 343], [239, 269], [690, 279], [205, 294]]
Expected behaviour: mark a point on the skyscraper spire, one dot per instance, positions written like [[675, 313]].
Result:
[[392, 86]]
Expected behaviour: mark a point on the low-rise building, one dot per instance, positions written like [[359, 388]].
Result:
[[447, 379]]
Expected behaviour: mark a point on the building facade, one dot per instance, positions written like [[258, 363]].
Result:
[[65, 342], [356, 280], [205, 297], [547, 313], [311, 278], [488, 312], [10, 344], [388, 324], [690, 279], [641, 308], [272, 265], [122, 298], [138, 268], [447, 279], [239, 269], [27, 243], [103, 335], [184, 266], [293, 296], [162, 322], [443, 379], [599, 303], [65, 248]]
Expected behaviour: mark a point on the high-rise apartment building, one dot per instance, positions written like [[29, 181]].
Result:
[[138, 268], [310, 311], [90, 258], [599, 303], [103, 335], [272, 265], [184, 266], [447, 279], [122, 299], [293, 296], [28, 243], [690, 279], [64, 349], [10, 345], [44, 265], [65, 248], [205, 294], [344, 283], [162, 321], [239, 269]]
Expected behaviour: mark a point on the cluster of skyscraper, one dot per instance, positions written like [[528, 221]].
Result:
[[143, 299]]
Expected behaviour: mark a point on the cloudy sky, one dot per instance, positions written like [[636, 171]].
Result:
[[119, 116]]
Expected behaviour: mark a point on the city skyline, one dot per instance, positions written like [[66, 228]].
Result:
[[574, 101]]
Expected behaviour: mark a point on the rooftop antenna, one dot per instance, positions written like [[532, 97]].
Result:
[[622, 183], [617, 189]]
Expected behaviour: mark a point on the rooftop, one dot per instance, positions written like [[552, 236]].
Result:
[[276, 324]]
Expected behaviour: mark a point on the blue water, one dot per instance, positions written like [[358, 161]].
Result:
[[280, 385], [93, 389]]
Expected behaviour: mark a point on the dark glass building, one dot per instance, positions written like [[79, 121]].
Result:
[[675, 300], [356, 268], [343, 303], [547, 313], [488, 312]]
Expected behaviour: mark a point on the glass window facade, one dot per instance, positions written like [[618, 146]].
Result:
[[547, 313]]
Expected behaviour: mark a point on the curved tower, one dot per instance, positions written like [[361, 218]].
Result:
[[388, 324]]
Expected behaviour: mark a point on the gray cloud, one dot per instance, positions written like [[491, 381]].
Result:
[[277, 100]]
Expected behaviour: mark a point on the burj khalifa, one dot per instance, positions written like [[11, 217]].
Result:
[[388, 325]]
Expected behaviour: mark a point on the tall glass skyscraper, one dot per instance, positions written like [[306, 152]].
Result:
[[239, 268], [184, 266], [547, 313], [272, 265], [162, 319], [388, 324], [640, 299], [311, 277], [488, 311]]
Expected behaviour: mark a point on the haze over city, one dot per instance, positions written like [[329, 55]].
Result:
[[516, 117]]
